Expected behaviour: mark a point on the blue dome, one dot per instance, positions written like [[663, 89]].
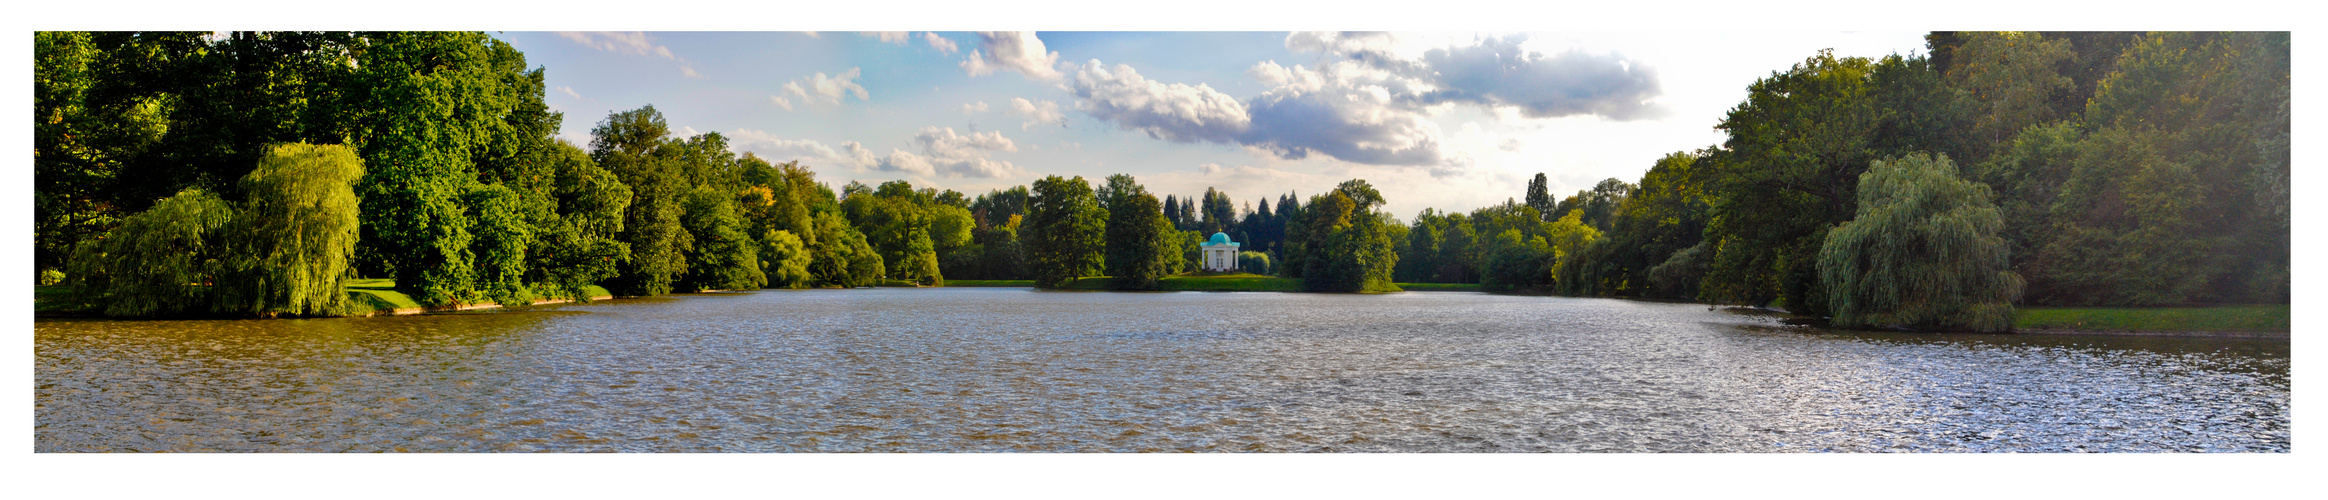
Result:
[[1219, 239]]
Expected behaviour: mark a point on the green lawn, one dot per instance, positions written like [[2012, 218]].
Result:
[[365, 295], [1215, 282], [1439, 287], [968, 283], [2245, 318]]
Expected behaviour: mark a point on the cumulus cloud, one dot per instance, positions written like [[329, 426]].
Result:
[[943, 45], [1343, 110], [1036, 112], [823, 88], [1346, 111], [1013, 51], [943, 153], [781, 102], [1174, 112], [1497, 73], [974, 108], [896, 37]]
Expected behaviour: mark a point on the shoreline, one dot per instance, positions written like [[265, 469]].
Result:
[[404, 311]]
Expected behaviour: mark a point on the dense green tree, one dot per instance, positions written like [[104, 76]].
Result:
[[149, 264], [896, 220], [1065, 232], [1924, 252], [1140, 245], [430, 104], [2013, 78], [576, 246], [724, 257], [1343, 245], [631, 144], [1129, 238], [291, 247], [784, 260], [1540, 195]]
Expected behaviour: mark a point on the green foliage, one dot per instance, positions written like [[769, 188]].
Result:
[[1253, 262], [1065, 231], [1923, 253], [631, 145], [1341, 245], [896, 221], [151, 264], [291, 248], [576, 248], [784, 260], [1140, 246], [1514, 262], [502, 236], [2012, 75], [724, 258], [840, 256]]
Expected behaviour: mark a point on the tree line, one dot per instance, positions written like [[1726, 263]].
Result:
[[1935, 189]]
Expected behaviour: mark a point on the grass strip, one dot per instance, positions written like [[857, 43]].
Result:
[[2237, 318]]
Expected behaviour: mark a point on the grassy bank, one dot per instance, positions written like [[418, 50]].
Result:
[[367, 296], [978, 283], [1439, 287], [2244, 318], [1229, 282]]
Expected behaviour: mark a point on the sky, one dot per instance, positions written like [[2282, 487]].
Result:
[[1444, 120]]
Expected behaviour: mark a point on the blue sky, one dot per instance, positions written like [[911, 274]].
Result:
[[1453, 121]]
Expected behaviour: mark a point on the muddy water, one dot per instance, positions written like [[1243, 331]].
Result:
[[1021, 370]]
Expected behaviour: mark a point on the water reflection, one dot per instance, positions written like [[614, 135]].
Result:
[[1022, 370]]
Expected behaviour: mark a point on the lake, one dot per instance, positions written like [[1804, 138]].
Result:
[[1013, 369]]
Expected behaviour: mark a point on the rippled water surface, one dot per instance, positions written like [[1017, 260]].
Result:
[[1019, 370]]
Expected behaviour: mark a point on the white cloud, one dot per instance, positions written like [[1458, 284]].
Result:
[[942, 153], [1175, 112], [974, 108], [1497, 73], [779, 150], [569, 91], [620, 42], [1036, 112], [897, 37], [781, 102], [943, 45], [628, 42], [1017, 51], [1346, 111], [830, 89], [811, 34]]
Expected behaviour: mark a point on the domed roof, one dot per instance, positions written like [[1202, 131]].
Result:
[[1219, 239]]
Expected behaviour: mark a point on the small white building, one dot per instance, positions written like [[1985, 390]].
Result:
[[1220, 254]]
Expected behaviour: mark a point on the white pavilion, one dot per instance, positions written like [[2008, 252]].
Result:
[[1220, 254]]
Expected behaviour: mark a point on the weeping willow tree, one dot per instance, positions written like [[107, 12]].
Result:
[[156, 260], [1923, 252], [290, 248]]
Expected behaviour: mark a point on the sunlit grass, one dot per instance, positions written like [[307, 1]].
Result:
[[2244, 318], [970, 283], [1439, 287]]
